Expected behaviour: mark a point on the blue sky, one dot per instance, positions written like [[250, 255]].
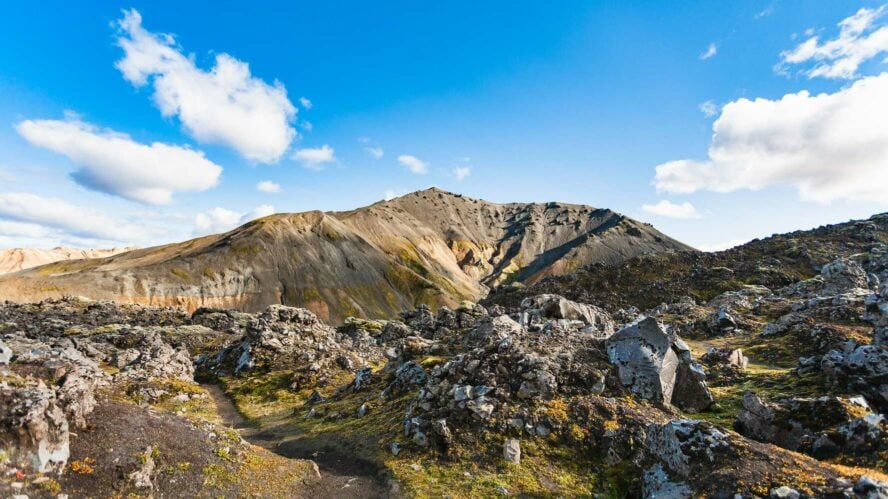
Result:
[[600, 103]]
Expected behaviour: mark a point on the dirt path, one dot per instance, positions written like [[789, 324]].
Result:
[[342, 476]]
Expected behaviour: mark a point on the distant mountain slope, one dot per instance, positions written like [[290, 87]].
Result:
[[649, 280], [15, 259], [429, 247]]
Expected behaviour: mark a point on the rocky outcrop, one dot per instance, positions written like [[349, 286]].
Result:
[[593, 320], [33, 428], [657, 367], [823, 427]]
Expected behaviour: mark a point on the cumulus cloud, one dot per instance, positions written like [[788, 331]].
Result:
[[827, 146], [315, 158], [268, 186], [710, 52], [669, 209], [413, 164], [305, 103], [709, 108], [220, 219], [29, 215], [113, 163], [861, 38], [461, 172], [225, 105]]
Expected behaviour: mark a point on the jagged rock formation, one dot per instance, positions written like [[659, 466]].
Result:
[[15, 259], [428, 247]]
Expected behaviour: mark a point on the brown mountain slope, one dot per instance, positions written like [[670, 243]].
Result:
[[428, 247], [15, 259]]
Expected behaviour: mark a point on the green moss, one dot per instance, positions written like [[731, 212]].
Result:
[[218, 476]]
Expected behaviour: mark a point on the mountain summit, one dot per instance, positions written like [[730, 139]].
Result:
[[430, 246]]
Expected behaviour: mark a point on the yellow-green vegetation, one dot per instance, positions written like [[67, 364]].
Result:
[[478, 471], [198, 406], [180, 273], [474, 469], [767, 381]]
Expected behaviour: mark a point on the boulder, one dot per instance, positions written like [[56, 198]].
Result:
[[491, 329], [645, 360], [548, 306], [657, 367], [33, 427]]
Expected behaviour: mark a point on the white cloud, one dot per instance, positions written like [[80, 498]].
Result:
[[220, 219], [376, 152], [390, 194], [113, 163], [722, 245], [767, 11], [305, 103], [315, 158], [413, 164], [709, 108], [461, 172], [306, 125], [268, 186], [671, 210], [858, 42], [826, 146], [710, 52], [32, 216], [225, 105]]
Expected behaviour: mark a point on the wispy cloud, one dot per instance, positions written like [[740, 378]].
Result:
[[268, 186], [225, 105], [709, 108], [305, 103], [315, 158], [28, 215], [709, 53], [413, 164], [862, 36], [461, 172]]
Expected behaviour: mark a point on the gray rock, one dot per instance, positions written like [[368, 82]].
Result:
[[143, 478], [512, 451], [646, 363], [33, 428], [784, 492], [656, 484], [492, 329], [5, 353]]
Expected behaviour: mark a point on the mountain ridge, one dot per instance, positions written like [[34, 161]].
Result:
[[430, 246]]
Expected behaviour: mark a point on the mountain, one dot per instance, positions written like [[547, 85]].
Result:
[[15, 259], [431, 247], [648, 280]]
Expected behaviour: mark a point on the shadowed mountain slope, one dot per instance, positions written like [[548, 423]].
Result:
[[429, 247]]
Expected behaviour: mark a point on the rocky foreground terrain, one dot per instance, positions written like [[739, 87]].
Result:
[[431, 247], [757, 372]]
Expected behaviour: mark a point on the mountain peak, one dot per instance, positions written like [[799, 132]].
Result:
[[429, 246]]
